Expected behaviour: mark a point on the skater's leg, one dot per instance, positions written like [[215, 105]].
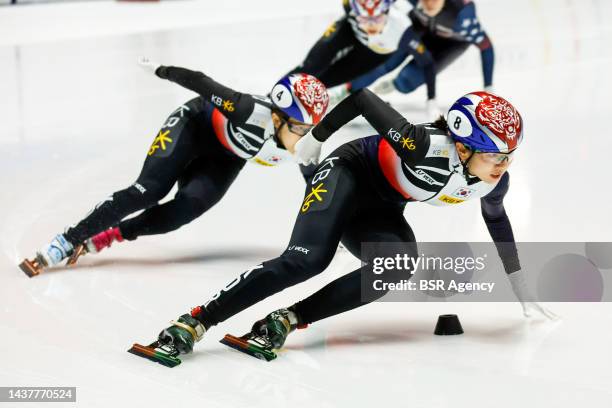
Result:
[[321, 220], [174, 147], [413, 74], [345, 293], [380, 225], [371, 76], [448, 52], [360, 60], [204, 183], [409, 78], [337, 40], [328, 203]]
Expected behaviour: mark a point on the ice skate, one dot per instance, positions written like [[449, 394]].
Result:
[[103, 240], [266, 335], [31, 267], [163, 354], [79, 251], [96, 244], [50, 255], [173, 341]]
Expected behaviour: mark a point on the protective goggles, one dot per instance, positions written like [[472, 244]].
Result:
[[371, 20], [300, 129], [496, 158]]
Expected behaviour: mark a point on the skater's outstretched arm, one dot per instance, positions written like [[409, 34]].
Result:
[[470, 30], [498, 224], [409, 141], [500, 229], [411, 42], [233, 104]]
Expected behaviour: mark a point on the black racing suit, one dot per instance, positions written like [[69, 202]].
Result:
[[341, 55], [350, 199], [338, 56], [198, 147]]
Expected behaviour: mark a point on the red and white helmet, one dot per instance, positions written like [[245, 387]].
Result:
[[370, 8], [301, 97], [485, 122]]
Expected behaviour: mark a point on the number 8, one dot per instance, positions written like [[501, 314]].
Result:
[[457, 123]]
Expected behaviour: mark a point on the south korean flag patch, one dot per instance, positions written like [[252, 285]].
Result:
[[463, 193]]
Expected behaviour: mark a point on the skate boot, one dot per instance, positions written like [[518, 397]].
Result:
[[266, 335], [103, 240], [172, 341], [96, 244], [50, 255]]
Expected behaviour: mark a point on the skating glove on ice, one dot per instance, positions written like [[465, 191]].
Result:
[[148, 65], [384, 87], [519, 286], [433, 111], [308, 149]]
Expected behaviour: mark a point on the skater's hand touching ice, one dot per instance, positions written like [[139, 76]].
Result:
[[308, 149], [433, 110], [530, 309], [384, 87], [528, 303], [148, 65]]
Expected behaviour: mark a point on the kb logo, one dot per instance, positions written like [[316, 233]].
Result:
[[394, 135]]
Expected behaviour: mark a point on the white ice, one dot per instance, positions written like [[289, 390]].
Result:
[[77, 116]]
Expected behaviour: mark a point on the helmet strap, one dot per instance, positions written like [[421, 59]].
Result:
[[466, 172], [277, 140]]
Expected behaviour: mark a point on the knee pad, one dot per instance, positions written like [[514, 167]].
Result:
[[409, 79]]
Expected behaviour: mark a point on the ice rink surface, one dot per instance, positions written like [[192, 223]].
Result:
[[78, 116]]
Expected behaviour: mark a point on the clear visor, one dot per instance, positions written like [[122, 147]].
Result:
[[497, 158], [299, 128], [372, 21]]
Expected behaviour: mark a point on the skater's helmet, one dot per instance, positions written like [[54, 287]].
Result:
[[370, 8], [485, 122], [301, 97]]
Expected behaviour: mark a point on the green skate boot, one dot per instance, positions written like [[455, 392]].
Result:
[[172, 341], [266, 335]]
